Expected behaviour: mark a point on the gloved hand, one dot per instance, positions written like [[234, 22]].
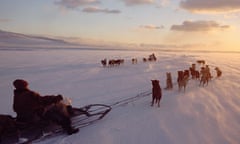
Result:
[[59, 98]]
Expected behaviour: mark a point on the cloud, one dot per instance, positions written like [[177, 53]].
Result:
[[3, 20], [73, 4], [164, 2], [168, 47], [152, 27], [192, 26], [210, 6], [100, 10], [137, 2]]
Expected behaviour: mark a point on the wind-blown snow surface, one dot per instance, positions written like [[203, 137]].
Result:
[[201, 115]]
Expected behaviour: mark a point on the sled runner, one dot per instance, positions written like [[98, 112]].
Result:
[[81, 117]]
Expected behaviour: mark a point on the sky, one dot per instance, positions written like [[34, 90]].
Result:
[[202, 24]]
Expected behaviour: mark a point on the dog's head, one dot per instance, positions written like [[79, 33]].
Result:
[[217, 69], [155, 83], [168, 74]]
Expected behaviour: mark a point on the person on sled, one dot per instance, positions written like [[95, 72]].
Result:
[[32, 108]]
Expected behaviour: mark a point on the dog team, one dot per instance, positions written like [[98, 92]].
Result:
[[117, 62], [203, 76]]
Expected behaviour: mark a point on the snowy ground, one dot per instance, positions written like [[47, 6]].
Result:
[[201, 115]]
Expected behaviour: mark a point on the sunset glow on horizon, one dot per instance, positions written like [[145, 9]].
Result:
[[205, 24]]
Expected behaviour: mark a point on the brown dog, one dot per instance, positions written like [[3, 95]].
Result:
[[156, 92], [169, 81], [219, 72], [182, 80]]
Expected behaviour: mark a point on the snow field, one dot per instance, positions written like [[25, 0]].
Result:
[[208, 114]]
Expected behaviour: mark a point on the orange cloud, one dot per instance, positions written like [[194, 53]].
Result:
[[137, 2], [193, 26], [100, 10], [151, 27], [73, 4], [211, 6]]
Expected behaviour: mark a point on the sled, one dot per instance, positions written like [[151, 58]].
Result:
[[43, 130]]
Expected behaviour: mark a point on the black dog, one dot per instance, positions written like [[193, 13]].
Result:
[[156, 92], [104, 62]]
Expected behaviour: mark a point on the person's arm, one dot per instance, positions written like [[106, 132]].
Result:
[[49, 99], [14, 102]]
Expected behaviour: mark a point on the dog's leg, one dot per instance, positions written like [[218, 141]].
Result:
[[152, 101], [200, 82]]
